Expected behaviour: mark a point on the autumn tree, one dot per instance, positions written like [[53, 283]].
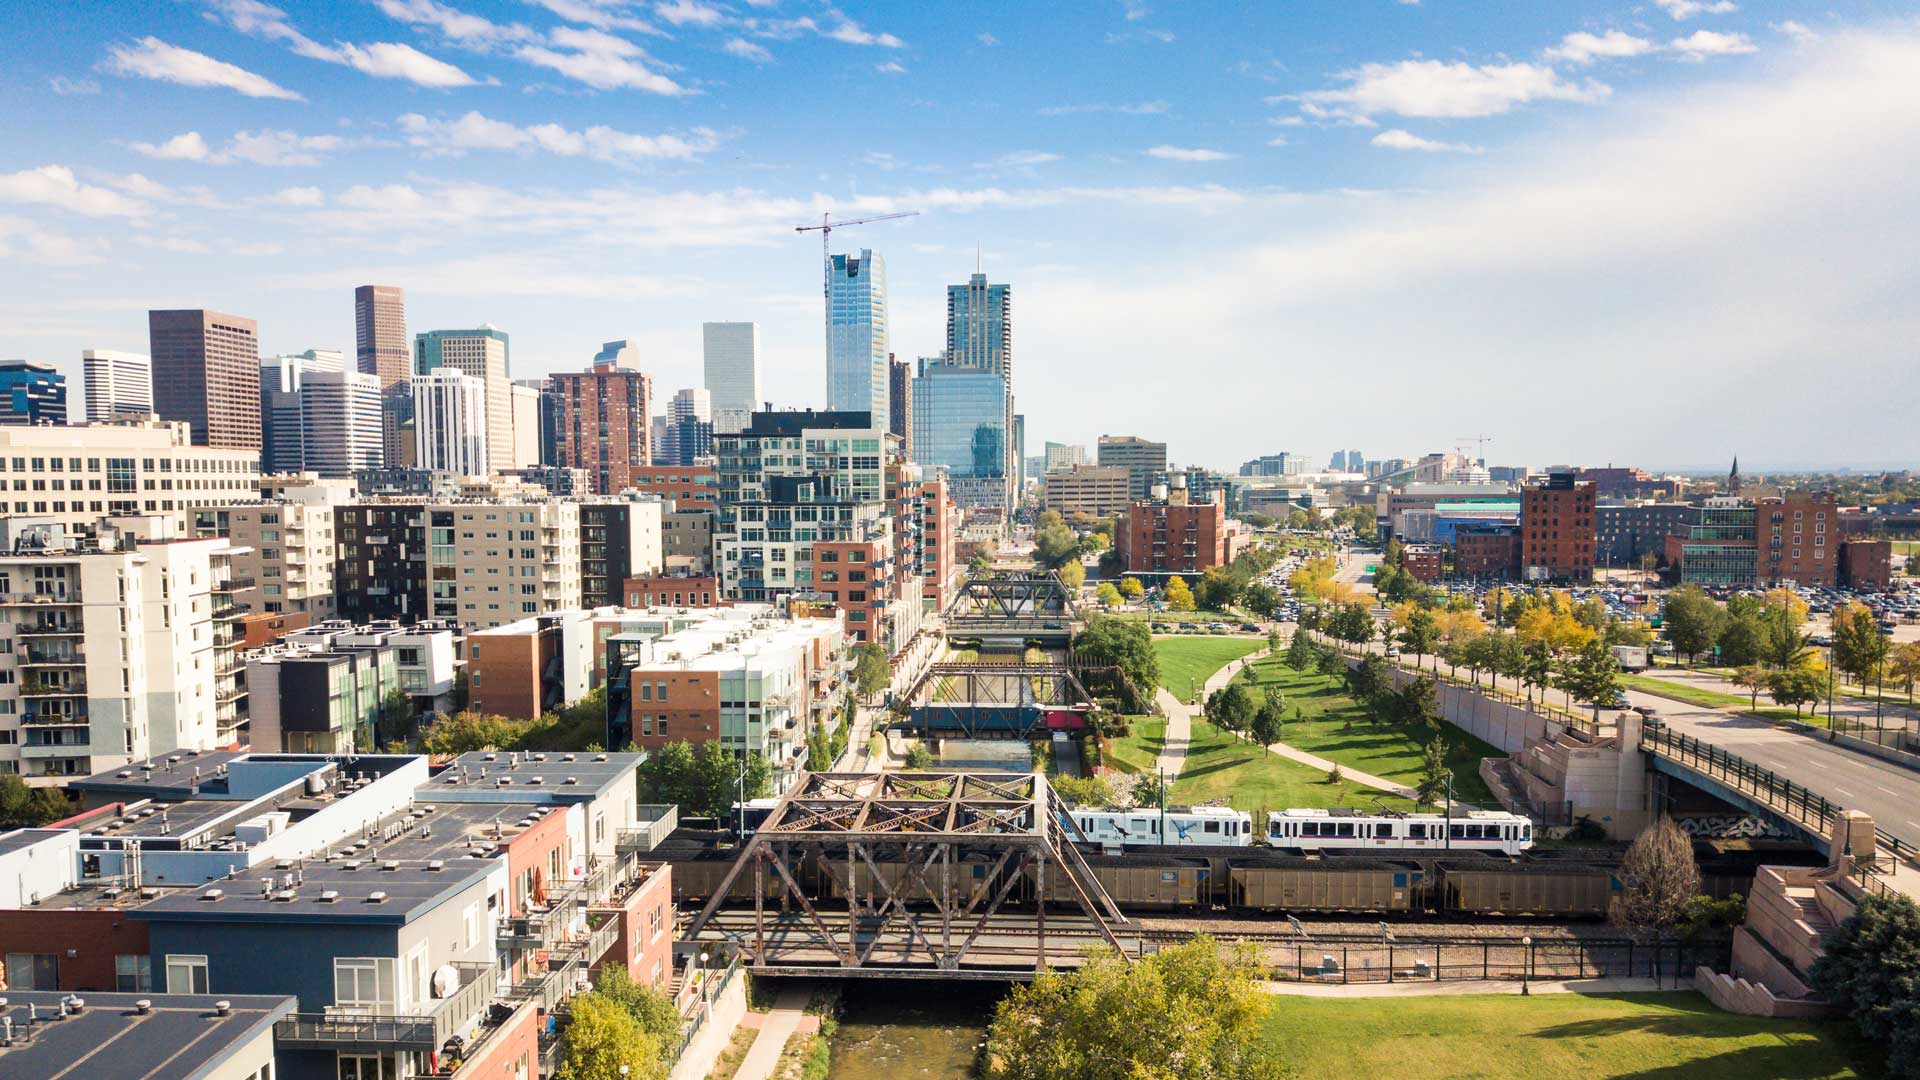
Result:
[[1752, 678], [1132, 589], [604, 1042], [1658, 877], [1179, 596]]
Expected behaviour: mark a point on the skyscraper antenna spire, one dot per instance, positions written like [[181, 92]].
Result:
[[976, 256]]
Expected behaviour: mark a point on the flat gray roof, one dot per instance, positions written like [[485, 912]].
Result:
[[551, 777], [180, 1037], [179, 775], [363, 890], [26, 838]]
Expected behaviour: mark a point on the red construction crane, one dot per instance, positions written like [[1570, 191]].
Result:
[[825, 229]]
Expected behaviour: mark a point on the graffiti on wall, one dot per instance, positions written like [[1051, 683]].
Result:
[[1732, 827]]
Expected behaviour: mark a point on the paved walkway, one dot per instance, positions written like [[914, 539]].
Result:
[[1471, 986], [1180, 716], [775, 1030], [1346, 772]]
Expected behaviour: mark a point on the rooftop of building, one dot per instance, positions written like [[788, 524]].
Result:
[[180, 775], [26, 838], [796, 421], [346, 887], [525, 777], [729, 645], [130, 1036]]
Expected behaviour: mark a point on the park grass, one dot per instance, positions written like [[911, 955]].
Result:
[[1221, 767], [1337, 728], [1667, 1036], [1187, 662], [1137, 752], [1716, 699]]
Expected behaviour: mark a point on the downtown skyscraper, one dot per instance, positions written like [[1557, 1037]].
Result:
[[963, 419], [206, 371], [730, 352], [857, 354]]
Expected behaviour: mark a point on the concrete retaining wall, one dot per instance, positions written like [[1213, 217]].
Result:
[[715, 1033]]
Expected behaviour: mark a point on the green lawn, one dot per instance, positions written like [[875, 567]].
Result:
[[1714, 699], [949, 688], [1253, 778], [1337, 728], [1187, 662], [1557, 1037]]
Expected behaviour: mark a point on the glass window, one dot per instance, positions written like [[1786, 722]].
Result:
[[132, 974], [186, 974], [33, 971], [362, 983]]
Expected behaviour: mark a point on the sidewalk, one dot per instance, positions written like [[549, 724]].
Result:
[[780, 1024], [1346, 772], [1470, 986], [1173, 751]]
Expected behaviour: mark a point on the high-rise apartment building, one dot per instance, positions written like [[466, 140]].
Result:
[[900, 403], [605, 424], [206, 369], [450, 428], [980, 326], [32, 393], [526, 424], [1168, 535], [549, 417], [1143, 459], [1557, 534], [730, 353], [857, 334], [483, 354], [960, 430], [119, 384], [621, 354], [1063, 456], [122, 651], [76, 475], [689, 429], [480, 564], [284, 428], [284, 545], [340, 416]]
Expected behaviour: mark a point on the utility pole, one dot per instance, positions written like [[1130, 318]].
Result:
[[1448, 834]]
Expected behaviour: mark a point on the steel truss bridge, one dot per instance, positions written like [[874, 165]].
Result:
[[959, 844], [1012, 608]]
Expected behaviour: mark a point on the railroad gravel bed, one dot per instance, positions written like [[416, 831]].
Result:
[[1403, 929]]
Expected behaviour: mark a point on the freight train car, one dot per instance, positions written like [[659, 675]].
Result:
[[1495, 887], [1160, 883], [1316, 885]]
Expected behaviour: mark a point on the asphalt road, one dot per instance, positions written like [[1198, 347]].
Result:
[[1854, 780]]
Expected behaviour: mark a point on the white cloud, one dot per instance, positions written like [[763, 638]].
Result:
[[1184, 153], [836, 26], [31, 242], [1687, 9], [1277, 140], [1439, 89], [455, 25], [599, 14], [55, 185], [151, 58], [381, 59], [891, 67], [1581, 47], [1140, 108], [986, 39], [747, 50], [1398, 139], [689, 13], [1704, 43], [186, 146], [298, 196], [257, 147], [600, 60], [1022, 159], [66, 87], [1798, 31], [389, 60], [474, 131]]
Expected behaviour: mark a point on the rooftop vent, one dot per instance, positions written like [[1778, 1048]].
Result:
[[571, 780], [212, 895], [328, 896], [376, 897], [223, 1008], [143, 1006], [390, 866], [536, 780], [436, 865], [599, 757]]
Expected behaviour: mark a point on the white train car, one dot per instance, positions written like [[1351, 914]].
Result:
[[1197, 826], [1368, 830]]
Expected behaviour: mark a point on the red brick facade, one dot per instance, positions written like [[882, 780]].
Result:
[[1424, 563], [855, 575], [689, 486], [1557, 529], [1173, 538], [1489, 554], [1867, 564], [667, 591], [1798, 536], [605, 418]]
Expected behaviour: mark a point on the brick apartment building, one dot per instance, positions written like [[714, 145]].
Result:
[[1797, 536], [688, 486], [1426, 562], [671, 590], [605, 425], [1170, 536], [1557, 529]]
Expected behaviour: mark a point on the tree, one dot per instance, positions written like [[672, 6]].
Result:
[[1055, 545], [1753, 678], [1786, 644], [919, 757], [1270, 723], [1179, 597], [1743, 640], [1371, 678], [1264, 599], [397, 718], [1330, 663], [652, 1009], [1870, 967], [819, 751], [1132, 589], [871, 671], [1073, 574], [1432, 785], [1219, 589], [1301, 654], [1904, 665], [1536, 669], [1415, 706], [1233, 706], [1658, 877], [24, 807], [1801, 684], [1123, 643], [605, 1042], [1591, 675], [465, 732], [1692, 621], [1420, 635], [1107, 595], [1193, 1010], [1353, 623], [1859, 647]]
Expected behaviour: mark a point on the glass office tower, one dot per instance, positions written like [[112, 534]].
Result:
[[857, 335]]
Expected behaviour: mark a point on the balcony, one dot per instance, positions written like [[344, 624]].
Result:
[[47, 630], [57, 599], [234, 584], [426, 1032], [45, 656], [34, 688]]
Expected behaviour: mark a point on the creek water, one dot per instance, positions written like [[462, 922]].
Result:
[[911, 1030], [984, 755]]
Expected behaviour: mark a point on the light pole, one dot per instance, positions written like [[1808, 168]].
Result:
[[1526, 965], [1448, 827]]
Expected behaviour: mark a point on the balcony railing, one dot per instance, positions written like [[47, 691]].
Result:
[[234, 584], [47, 657], [61, 597], [49, 630], [33, 688], [426, 1032]]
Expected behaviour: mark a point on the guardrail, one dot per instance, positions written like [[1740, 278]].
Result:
[[425, 1032]]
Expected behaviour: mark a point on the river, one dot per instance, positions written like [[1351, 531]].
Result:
[[911, 1030]]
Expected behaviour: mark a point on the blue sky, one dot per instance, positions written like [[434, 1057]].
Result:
[[1658, 232]]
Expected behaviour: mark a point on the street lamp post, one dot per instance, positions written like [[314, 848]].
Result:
[[1526, 965]]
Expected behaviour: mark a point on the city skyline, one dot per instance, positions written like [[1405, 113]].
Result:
[[1141, 222]]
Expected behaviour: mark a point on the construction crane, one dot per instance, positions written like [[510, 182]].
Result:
[[1479, 442], [825, 229]]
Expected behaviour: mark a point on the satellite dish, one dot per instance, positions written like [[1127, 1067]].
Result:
[[445, 981]]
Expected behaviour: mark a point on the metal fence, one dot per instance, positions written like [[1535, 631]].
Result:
[[1769, 789], [1349, 961]]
